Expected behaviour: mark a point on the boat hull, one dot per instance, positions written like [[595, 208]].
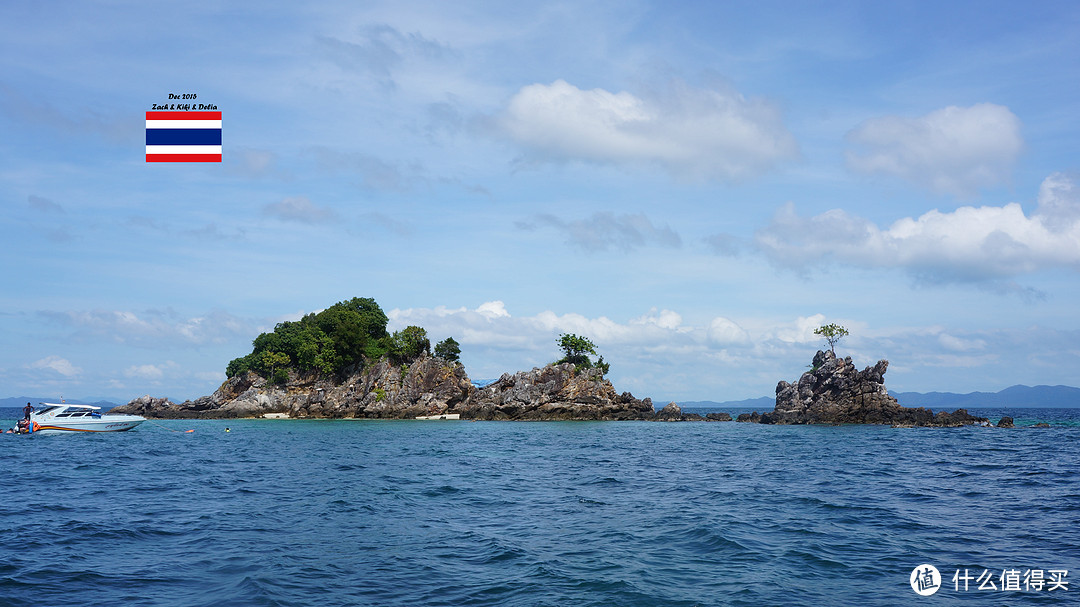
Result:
[[123, 423]]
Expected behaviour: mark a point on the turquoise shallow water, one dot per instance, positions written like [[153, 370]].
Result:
[[563, 513]]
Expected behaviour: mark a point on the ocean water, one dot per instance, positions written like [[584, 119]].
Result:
[[328, 513]]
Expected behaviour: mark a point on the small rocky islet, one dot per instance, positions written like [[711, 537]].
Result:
[[832, 392]]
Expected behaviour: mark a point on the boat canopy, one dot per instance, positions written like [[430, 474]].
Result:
[[70, 405]]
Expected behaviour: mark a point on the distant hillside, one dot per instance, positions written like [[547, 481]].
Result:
[[1016, 396], [763, 403], [1051, 397]]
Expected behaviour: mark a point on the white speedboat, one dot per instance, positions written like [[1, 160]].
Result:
[[66, 417]]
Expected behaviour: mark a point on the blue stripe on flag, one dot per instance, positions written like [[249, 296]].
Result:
[[183, 136]]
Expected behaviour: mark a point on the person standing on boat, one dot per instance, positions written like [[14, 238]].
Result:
[[27, 410]]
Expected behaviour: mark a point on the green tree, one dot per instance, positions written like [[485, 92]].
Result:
[[410, 343], [448, 349], [276, 365], [330, 341], [576, 349], [832, 333], [356, 328]]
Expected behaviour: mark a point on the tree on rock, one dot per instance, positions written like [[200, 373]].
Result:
[[832, 333], [576, 350], [409, 343], [277, 365], [448, 349], [345, 334]]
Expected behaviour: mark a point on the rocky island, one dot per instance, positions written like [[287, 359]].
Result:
[[835, 392], [428, 386], [342, 363]]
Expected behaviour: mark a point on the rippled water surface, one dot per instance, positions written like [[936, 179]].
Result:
[[564, 513]]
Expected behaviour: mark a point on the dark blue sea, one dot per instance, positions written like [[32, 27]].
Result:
[[411, 513]]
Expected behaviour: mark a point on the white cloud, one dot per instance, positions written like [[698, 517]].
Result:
[[151, 328], [653, 351], [493, 309], [971, 244], [57, 364], [299, 209], [209, 376], [690, 132], [801, 331], [661, 355], [959, 344], [147, 372], [605, 230], [1059, 203], [723, 332], [954, 150]]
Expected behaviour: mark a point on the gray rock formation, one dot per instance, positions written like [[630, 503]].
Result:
[[428, 386], [554, 392], [1006, 422], [834, 392], [670, 413]]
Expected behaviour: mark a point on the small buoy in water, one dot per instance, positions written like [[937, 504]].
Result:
[[187, 431], [227, 430]]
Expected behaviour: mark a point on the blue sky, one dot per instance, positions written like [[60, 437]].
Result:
[[693, 185]]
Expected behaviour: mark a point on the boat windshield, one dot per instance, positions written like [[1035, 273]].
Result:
[[74, 413], [45, 410]]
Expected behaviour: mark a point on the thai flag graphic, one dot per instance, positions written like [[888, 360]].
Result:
[[183, 136]]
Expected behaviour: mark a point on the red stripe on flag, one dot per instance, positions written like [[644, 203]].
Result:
[[183, 115], [183, 157]]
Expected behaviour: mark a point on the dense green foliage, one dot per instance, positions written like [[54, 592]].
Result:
[[343, 335], [409, 343], [448, 349], [576, 350], [832, 333]]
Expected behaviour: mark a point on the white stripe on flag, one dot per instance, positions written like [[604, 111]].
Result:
[[183, 124], [183, 149]]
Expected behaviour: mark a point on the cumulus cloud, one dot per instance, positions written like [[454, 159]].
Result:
[[724, 332], [656, 352], [147, 372], [151, 328], [603, 231], [971, 244], [660, 354], [801, 331], [960, 344], [57, 364], [1059, 203], [491, 324], [298, 209], [954, 150], [690, 132]]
